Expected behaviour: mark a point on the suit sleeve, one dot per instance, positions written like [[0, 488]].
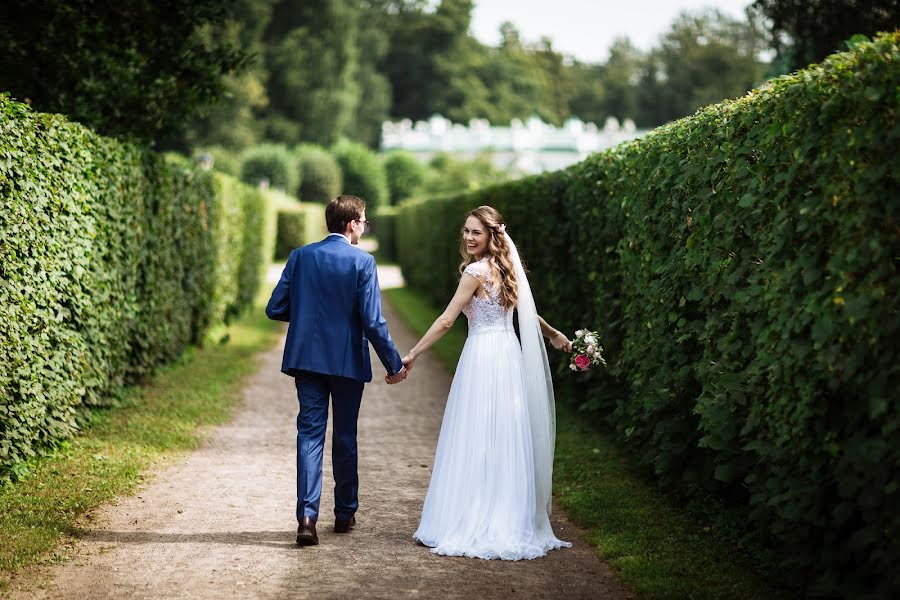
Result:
[[374, 324], [279, 306]]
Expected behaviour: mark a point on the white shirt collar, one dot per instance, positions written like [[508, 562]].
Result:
[[341, 235]]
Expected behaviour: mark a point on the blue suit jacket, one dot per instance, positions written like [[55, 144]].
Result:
[[329, 294]]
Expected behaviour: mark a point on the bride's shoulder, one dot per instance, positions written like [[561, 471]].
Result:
[[477, 269]]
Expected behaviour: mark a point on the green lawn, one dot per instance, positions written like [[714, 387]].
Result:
[[157, 422], [656, 546]]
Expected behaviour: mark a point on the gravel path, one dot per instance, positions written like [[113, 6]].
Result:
[[220, 524]]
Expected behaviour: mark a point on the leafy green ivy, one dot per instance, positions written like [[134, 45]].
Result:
[[741, 266]]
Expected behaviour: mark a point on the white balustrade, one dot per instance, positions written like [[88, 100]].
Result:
[[529, 147]]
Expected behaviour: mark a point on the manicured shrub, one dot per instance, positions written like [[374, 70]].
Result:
[[740, 265], [291, 233], [320, 175], [308, 227], [222, 159], [363, 173], [405, 175], [386, 231], [273, 163]]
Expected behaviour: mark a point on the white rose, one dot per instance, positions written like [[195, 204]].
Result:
[[590, 340], [590, 350], [579, 333]]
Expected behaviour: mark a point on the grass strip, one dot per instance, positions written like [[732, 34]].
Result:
[[155, 422], [658, 548]]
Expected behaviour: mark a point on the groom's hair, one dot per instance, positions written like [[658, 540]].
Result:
[[341, 211]]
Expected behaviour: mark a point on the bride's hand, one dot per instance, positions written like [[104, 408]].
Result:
[[561, 342], [408, 361]]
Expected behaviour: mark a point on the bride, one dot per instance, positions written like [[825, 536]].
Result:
[[489, 495]]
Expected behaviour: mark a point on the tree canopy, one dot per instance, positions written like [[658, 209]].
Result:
[[132, 68]]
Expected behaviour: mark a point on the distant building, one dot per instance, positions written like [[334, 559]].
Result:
[[529, 147]]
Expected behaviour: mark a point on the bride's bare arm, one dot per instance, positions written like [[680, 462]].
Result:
[[557, 338], [441, 325]]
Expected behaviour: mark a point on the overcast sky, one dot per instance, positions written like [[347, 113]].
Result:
[[586, 28]]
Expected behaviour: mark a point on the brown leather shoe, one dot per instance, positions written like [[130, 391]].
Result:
[[342, 526], [306, 533]]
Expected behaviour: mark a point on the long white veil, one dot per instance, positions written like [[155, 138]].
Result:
[[538, 385]]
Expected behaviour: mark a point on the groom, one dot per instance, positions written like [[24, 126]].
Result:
[[329, 294]]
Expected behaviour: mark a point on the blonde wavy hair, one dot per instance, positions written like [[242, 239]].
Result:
[[498, 259]]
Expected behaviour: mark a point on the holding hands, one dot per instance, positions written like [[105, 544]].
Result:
[[397, 378], [408, 361]]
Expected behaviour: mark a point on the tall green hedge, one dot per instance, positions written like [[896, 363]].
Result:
[[385, 229], [112, 260], [741, 267], [294, 224]]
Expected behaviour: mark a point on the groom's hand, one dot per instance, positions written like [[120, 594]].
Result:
[[392, 379]]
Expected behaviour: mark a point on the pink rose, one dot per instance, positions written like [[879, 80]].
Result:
[[582, 361]]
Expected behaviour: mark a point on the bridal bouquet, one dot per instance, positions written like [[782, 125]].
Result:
[[586, 350]]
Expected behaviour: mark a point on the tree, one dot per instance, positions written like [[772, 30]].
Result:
[[131, 68], [374, 106], [619, 79], [232, 121], [311, 57], [806, 31], [704, 58], [430, 61]]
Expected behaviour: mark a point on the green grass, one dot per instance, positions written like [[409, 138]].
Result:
[[156, 422], [658, 548]]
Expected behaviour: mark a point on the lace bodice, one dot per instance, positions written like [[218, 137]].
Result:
[[486, 314]]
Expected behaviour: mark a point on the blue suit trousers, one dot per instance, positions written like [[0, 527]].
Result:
[[313, 391]]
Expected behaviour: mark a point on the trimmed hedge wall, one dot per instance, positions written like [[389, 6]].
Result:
[[295, 224], [741, 266], [291, 233], [385, 230], [112, 260]]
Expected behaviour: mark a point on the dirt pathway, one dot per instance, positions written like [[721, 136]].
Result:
[[220, 524]]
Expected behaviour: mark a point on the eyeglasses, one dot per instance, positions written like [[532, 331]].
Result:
[[366, 224]]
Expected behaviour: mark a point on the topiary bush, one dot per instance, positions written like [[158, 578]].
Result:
[[291, 232], [386, 232], [273, 163], [320, 175], [223, 159], [741, 267], [309, 227], [112, 260], [363, 173], [405, 175]]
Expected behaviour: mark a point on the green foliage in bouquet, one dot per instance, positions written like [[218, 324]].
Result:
[[740, 265]]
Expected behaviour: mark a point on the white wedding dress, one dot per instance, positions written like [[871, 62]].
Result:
[[482, 499]]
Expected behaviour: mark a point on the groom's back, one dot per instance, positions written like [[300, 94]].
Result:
[[326, 333]]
